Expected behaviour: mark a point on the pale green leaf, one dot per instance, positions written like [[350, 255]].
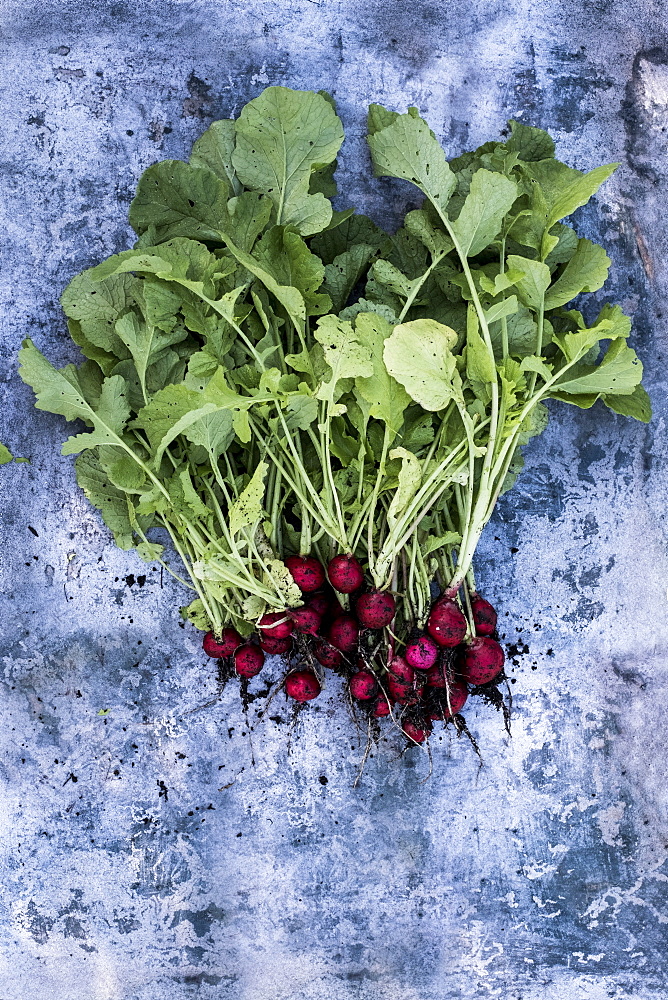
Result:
[[179, 199], [586, 271], [214, 150], [346, 356], [532, 287], [247, 508], [410, 480], [282, 137], [407, 148], [618, 373], [387, 399], [637, 404], [419, 356], [489, 200]]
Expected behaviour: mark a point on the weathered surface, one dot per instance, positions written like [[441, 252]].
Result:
[[143, 855]]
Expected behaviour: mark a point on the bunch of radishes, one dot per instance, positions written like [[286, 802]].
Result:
[[425, 677]]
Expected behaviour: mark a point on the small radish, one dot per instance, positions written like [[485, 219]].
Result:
[[302, 685], [451, 701], [363, 685], [306, 620], [345, 574], [401, 681], [446, 624], [248, 660], [276, 624], [421, 654], [327, 655], [484, 615], [375, 609], [436, 678], [275, 646], [381, 708], [319, 602], [417, 734], [483, 660], [306, 571], [225, 646], [344, 633]]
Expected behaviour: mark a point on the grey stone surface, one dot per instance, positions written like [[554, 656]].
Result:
[[152, 848]]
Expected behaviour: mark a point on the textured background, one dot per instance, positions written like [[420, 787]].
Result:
[[149, 850]]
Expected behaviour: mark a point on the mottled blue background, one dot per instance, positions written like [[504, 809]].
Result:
[[149, 849]]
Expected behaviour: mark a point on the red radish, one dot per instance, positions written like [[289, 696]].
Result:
[[319, 603], [225, 646], [484, 615], [401, 681], [275, 646], [483, 660], [276, 624], [363, 685], [303, 685], [436, 677], [306, 620], [345, 574], [248, 660], [446, 624], [375, 609], [451, 701], [327, 655], [381, 708], [343, 633], [421, 654], [306, 571], [417, 734]]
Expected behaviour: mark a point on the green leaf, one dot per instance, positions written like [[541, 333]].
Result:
[[289, 296], [578, 193], [419, 356], [529, 143], [6, 455], [109, 500], [410, 480], [180, 200], [480, 365], [247, 508], [109, 418], [618, 373], [196, 614], [532, 287], [214, 150], [282, 137], [290, 262], [145, 342], [534, 364], [356, 229], [435, 542], [249, 215], [637, 404], [386, 398], [150, 551], [419, 223], [379, 118], [95, 306], [489, 200], [346, 356], [586, 271], [345, 271], [123, 472], [499, 310], [407, 148]]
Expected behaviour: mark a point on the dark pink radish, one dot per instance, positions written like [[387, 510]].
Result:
[[327, 655], [484, 615], [345, 574], [248, 660], [483, 661], [306, 571], [363, 685], [276, 624], [306, 620], [446, 624], [274, 646], [415, 733], [421, 654], [375, 609], [436, 677], [344, 633], [319, 602], [381, 708], [303, 685], [225, 646], [401, 681]]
